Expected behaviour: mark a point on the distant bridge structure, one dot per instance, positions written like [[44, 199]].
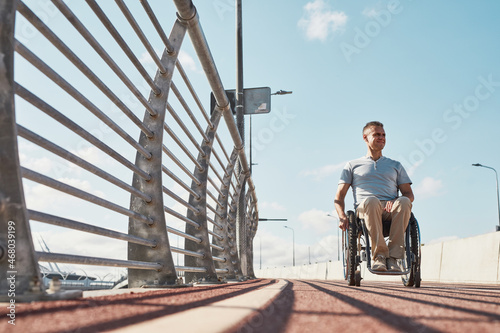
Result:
[[94, 139]]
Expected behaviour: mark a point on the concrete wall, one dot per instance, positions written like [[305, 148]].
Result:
[[469, 260]]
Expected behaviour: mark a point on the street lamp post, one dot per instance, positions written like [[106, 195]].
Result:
[[293, 243], [498, 196], [338, 238]]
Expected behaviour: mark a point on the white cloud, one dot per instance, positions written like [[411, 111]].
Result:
[[324, 171], [146, 59], [184, 58], [319, 21], [272, 206], [318, 221], [370, 12], [429, 187], [41, 165], [187, 61]]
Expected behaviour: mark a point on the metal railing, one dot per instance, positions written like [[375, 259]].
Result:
[[182, 184]]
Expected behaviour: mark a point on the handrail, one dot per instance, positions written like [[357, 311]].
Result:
[[172, 191]]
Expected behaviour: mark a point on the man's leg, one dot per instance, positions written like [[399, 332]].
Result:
[[400, 215], [371, 211]]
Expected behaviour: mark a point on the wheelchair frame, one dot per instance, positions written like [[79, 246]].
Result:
[[354, 252]]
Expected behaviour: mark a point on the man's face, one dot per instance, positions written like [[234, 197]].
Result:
[[374, 137]]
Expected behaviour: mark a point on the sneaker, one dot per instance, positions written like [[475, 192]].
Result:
[[379, 264], [392, 265]]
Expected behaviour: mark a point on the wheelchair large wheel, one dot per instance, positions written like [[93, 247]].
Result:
[[413, 278], [349, 250]]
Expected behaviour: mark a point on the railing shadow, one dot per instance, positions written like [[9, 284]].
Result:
[[398, 322]]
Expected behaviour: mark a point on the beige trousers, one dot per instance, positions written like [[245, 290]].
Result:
[[372, 211]]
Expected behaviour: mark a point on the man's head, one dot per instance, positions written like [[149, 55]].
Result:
[[372, 124], [374, 135]]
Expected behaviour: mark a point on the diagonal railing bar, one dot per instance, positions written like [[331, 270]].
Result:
[[56, 78], [186, 252], [74, 259], [121, 42], [213, 210], [71, 190], [71, 56], [188, 111], [180, 216], [218, 191], [180, 200], [62, 119], [157, 25], [190, 87], [184, 128], [218, 160], [216, 173], [71, 224], [133, 23], [181, 145], [216, 200], [185, 235], [181, 165], [216, 235], [70, 16], [52, 147], [179, 181]]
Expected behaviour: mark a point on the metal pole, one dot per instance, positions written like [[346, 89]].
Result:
[[250, 143], [293, 243], [240, 123], [498, 196]]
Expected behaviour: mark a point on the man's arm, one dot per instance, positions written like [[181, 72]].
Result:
[[406, 191], [340, 205]]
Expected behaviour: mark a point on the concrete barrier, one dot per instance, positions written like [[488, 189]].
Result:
[[469, 260]]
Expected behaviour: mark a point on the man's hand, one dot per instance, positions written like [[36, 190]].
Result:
[[388, 205], [343, 223]]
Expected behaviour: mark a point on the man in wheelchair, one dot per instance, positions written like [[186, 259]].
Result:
[[375, 181]]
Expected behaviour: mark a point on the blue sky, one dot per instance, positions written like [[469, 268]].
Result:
[[428, 70], [420, 67]]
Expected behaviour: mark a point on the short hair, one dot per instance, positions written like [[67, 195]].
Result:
[[372, 123]]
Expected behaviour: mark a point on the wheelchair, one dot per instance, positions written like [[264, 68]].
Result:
[[356, 249]]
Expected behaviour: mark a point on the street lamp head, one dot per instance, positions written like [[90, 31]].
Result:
[[477, 164], [282, 92]]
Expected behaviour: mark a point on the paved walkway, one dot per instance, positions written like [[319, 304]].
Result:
[[332, 306], [266, 305]]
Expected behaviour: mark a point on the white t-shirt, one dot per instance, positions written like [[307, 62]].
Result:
[[379, 178]]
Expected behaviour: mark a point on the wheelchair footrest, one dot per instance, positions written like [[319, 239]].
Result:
[[388, 273]]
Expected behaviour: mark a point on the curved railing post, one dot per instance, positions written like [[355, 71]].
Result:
[[188, 14], [224, 221], [19, 272], [251, 231], [153, 187], [200, 203], [233, 240]]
